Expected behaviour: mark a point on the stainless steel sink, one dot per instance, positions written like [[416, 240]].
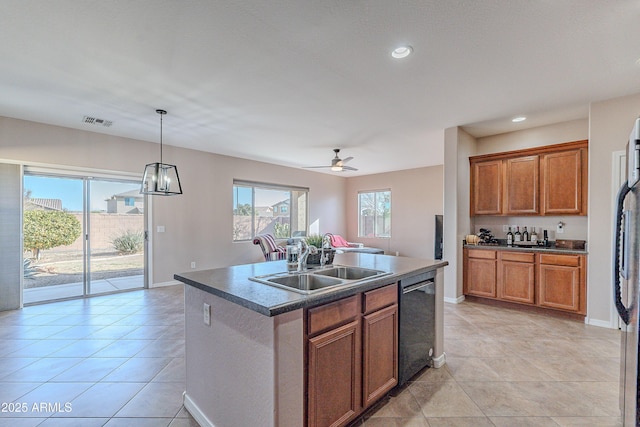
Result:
[[305, 283], [349, 273], [318, 280]]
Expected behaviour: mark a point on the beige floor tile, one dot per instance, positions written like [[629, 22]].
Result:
[[588, 421], [460, 422], [516, 369], [433, 375], [445, 399], [579, 368], [404, 405], [523, 422], [418, 421], [471, 369]]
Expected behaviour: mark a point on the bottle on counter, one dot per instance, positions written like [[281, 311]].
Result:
[[525, 235], [509, 237], [546, 238], [534, 236], [517, 237]]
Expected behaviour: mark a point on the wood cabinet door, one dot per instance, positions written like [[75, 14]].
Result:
[[481, 277], [562, 183], [380, 353], [516, 281], [486, 188], [559, 287], [334, 381], [521, 185]]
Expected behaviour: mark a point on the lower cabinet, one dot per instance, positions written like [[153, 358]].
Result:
[[334, 362], [549, 280], [352, 355], [562, 282], [480, 273], [516, 277]]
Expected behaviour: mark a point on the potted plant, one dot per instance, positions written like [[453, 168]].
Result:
[[316, 241]]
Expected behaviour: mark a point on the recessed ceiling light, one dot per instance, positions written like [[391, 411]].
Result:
[[401, 52], [518, 119]]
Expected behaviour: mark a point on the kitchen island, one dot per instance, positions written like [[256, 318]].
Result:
[[245, 355]]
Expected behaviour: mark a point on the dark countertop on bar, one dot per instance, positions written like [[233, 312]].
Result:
[[233, 284], [547, 249]]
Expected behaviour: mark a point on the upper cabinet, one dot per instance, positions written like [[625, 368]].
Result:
[[521, 182], [486, 187], [550, 180]]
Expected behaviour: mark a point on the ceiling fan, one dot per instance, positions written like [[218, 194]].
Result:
[[337, 164]]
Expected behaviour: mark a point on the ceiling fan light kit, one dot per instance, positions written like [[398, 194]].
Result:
[[160, 179], [337, 164]]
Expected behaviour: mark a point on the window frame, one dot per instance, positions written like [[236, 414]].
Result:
[[253, 185], [376, 233]]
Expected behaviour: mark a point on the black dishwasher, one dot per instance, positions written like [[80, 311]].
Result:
[[416, 336]]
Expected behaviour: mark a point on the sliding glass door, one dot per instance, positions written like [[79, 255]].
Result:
[[116, 243], [82, 236]]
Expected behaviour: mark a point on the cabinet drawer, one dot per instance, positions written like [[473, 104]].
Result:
[[480, 253], [380, 298], [567, 260], [333, 314], [517, 256]]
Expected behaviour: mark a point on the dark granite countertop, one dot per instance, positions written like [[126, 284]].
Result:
[[551, 249], [233, 284]]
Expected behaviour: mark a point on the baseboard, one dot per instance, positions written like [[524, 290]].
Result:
[[195, 412], [454, 300], [599, 323], [440, 361], [163, 284]]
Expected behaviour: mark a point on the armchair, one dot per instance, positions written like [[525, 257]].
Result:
[[269, 247], [341, 246]]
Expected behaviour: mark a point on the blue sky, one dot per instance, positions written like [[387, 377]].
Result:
[[69, 190]]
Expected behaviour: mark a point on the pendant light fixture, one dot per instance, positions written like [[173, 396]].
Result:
[[160, 179]]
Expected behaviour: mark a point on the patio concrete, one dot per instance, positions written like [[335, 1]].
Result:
[[70, 290]]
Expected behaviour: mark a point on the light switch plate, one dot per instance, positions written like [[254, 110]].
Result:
[[160, 229], [207, 314], [560, 228]]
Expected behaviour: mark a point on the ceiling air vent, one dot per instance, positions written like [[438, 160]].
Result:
[[97, 122]]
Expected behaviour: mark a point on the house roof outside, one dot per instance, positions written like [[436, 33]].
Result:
[[133, 193], [44, 204]]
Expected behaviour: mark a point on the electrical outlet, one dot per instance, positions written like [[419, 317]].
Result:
[[193, 264], [207, 314], [505, 228], [160, 229], [560, 228]]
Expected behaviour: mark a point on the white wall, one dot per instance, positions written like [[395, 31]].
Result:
[[458, 146], [416, 197], [610, 123], [198, 223]]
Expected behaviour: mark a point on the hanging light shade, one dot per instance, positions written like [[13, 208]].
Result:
[[160, 179]]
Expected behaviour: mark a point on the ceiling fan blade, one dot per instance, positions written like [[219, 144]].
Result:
[[348, 168], [315, 167], [348, 159]]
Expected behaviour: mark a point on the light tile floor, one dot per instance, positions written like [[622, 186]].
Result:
[[118, 360], [114, 360], [511, 368]]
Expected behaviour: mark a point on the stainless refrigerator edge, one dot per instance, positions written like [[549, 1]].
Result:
[[626, 280]]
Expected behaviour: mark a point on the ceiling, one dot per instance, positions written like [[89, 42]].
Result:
[[287, 81]]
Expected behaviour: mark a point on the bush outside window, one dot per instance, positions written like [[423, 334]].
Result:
[[374, 214]]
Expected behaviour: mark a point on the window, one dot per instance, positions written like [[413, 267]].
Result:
[[374, 214], [267, 208], [129, 201]]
